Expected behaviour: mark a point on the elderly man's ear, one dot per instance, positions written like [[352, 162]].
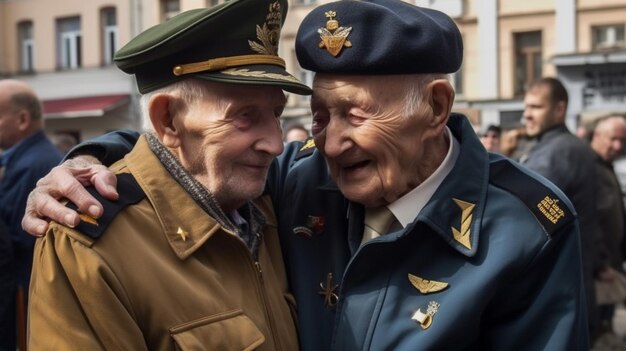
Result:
[[162, 109], [441, 99]]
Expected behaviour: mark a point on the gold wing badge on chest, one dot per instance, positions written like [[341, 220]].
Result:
[[334, 38], [426, 286]]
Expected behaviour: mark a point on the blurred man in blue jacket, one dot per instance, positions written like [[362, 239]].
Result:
[[27, 156]]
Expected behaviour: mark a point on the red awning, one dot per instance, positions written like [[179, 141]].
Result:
[[87, 106]]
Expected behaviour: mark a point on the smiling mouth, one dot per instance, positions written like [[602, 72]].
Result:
[[356, 165]]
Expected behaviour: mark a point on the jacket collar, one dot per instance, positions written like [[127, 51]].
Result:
[[552, 132], [455, 210], [185, 230]]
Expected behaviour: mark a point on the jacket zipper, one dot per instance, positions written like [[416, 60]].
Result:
[[256, 267]]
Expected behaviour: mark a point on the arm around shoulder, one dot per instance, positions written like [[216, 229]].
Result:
[[107, 148]]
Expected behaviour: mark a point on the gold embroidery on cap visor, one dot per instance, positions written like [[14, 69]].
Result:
[[221, 63], [334, 38], [243, 72]]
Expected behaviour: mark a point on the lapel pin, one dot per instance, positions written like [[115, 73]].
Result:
[[426, 319], [328, 290], [426, 286], [182, 233]]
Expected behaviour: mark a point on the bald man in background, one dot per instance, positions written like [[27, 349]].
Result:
[[608, 138], [27, 155]]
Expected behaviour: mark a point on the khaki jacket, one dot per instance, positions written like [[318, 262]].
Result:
[[163, 276]]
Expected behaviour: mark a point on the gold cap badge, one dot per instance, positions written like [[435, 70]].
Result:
[[334, 38]]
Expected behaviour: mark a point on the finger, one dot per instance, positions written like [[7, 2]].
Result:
[[74, 191], [34, 225], [60, 183], [40, 207], [105, 182]]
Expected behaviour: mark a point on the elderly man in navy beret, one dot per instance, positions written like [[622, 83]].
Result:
[[399, 231]]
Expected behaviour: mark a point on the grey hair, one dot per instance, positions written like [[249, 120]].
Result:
[[416, 85], [189, 90]]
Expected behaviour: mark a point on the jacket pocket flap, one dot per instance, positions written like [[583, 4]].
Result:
[[231, 330]]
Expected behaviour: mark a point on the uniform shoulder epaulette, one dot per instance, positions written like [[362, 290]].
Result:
[[542, 201], [129, 193], [306, 149]]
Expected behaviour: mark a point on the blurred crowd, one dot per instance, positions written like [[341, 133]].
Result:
[[582, 165]]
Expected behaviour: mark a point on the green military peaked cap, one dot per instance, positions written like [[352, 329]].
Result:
[[234, 42]]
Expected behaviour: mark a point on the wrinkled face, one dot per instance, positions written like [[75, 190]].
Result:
[[608, 139], [9, 123], [374, 151], [230, 137]]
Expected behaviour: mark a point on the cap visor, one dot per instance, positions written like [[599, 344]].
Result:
[[258, 75]]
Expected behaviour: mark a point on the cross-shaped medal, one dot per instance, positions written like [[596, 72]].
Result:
[[328, 290]]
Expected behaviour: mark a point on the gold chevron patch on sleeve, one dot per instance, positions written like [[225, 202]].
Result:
[[426, 286], [463, 235]]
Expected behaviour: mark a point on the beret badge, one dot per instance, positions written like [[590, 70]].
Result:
[[334, 38]]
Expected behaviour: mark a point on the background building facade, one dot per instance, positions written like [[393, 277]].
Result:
[[64, 49]]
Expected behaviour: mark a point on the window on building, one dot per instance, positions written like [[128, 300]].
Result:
[[69, 43], [108, 18], [211, 3], [608, 37], [169, 9], [528, 63], [305, 2], [26, 43]]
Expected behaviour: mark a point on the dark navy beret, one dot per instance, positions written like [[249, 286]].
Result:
[[378, 37], [234, 42]]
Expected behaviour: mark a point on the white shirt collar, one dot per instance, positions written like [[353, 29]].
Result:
[[406, 208]]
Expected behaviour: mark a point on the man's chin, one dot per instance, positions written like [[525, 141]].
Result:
[[358, 195]]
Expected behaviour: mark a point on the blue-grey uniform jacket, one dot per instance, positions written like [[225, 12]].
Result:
[[492, 260]]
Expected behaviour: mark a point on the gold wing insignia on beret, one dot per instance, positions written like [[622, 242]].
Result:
[[343, 32], [334, 38], [426, 286]]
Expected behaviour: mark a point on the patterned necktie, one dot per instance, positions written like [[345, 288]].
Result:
[[377, 222]]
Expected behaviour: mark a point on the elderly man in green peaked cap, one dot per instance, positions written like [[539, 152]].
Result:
[[212, 82]]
